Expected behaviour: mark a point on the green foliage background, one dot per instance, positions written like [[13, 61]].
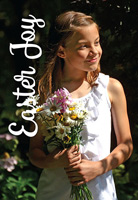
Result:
[[119, 32]]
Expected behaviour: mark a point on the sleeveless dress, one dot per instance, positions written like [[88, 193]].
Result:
[[96, 135]]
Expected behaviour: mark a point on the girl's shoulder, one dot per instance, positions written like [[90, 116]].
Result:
[[115, 89]]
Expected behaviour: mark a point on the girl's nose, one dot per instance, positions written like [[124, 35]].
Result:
[[93, 51]]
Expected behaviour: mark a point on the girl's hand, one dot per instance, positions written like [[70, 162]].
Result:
[[67, 157], [83, 172]]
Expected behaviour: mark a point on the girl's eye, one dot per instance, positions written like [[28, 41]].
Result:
[[97, 43], [83, 46]]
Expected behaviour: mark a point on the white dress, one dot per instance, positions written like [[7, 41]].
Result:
[[53, 183]]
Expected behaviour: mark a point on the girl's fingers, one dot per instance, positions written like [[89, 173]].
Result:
[[72, 175], [73, 149], [75, 179], [74, 163], [75, 153], [76, 158], [72, 168], [77, 183]]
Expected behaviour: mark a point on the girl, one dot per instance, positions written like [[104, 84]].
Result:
[[74, 63]]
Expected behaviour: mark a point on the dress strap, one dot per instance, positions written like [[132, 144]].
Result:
[[93, 99]]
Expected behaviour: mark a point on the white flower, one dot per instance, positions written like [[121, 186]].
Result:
[[61, 131], [39, 109], [52, 107], [75, 116], [36, 110], [8, 163], [32, 100], [69, 121], [80, 111], [81, 114]]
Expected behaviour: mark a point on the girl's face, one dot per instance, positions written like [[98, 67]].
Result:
[[83, 51]]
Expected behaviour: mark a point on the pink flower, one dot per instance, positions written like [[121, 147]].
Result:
[[8, 163], [61, 98], [62, 92], [7, 136]]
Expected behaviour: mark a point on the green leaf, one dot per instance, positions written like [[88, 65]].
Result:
[[26, 195]]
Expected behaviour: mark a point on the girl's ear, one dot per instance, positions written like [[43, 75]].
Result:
[[61, 52]]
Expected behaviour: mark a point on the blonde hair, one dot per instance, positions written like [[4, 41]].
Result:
[[63, 28]]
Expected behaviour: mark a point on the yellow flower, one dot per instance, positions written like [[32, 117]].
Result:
[[72, 108], [39, 109], [66, 139], [6, 155], [74, 116]]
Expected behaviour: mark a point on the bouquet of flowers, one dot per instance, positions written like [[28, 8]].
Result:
[[64, 120]]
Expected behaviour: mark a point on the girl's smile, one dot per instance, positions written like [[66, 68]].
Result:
[[92, 60]]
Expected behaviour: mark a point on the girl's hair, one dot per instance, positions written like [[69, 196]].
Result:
[[63, 28]]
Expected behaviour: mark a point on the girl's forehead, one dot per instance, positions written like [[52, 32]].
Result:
[[84, 33]]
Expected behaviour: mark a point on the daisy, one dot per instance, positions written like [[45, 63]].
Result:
[[81, 115], [69, 118], [32, 100], [39, 109], [52, 107], [61, 131]]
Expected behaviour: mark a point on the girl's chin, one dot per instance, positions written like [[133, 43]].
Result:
[[93, 68]]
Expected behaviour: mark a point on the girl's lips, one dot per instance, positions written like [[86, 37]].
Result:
[[92, 60]]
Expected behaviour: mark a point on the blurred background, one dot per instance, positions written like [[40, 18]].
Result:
[[118, 21]]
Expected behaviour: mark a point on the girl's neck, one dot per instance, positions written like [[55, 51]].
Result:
[[71, 74], [75, 81]]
